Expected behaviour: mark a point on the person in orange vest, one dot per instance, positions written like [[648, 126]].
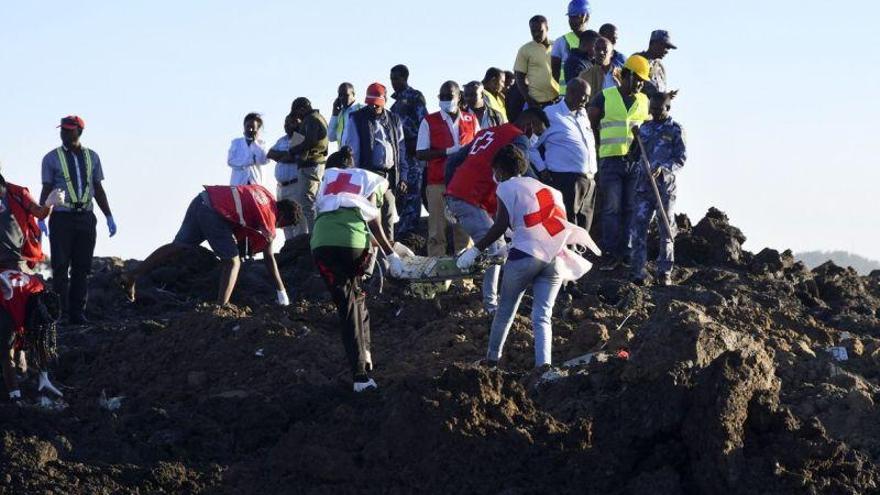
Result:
[[470, 195], [28, 316], [19, 232], [442, 134], [226, 216]]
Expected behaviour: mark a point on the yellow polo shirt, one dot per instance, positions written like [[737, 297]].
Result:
[[533, 59]]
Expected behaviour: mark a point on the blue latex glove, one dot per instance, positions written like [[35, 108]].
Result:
[[111, 225], [43, 227]]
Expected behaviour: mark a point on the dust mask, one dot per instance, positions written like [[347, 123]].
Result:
[[450, 106]]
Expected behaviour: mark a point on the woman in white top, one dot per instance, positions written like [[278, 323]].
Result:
[[248, 153], [538, 255]]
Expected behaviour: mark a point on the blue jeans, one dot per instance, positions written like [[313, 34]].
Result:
[[617, 185], [477, 222], [545, 280]]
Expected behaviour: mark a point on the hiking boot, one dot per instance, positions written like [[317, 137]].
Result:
[[609, 264], [665, 280], [360, 386]]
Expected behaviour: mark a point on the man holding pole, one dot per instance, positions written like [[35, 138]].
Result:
[[663, 149]]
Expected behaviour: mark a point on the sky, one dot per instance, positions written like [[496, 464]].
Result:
[[777, 97]]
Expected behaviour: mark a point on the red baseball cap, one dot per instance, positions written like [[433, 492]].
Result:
[[376, 94], [72, 122]]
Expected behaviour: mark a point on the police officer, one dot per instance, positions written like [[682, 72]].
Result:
[[409, 106], [77, 170], [665, 146]]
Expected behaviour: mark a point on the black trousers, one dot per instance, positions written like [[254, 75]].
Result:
[[341, 268], [579, 195], [72, 244]]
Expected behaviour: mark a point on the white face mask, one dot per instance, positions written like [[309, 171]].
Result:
[[450, 106], [533, 140]]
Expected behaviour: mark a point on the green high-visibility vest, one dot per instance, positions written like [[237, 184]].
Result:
[[573, 41], [74, 200], [615, 134]]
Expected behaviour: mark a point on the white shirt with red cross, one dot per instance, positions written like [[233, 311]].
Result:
[[350, 188], [537, 217]]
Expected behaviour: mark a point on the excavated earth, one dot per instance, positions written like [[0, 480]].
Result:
[[726, 386]]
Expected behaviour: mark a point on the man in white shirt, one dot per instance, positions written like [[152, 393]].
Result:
[[569, 159], [248, 153], [442, 134]]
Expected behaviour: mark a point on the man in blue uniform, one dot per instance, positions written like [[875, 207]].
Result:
[[664, 141], [409, 106]]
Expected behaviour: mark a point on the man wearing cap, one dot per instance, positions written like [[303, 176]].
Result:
[[613, 113], [376, 139], [77, 170], [409, 106], [310, 155], [534, 76], [578, 17], [658, 47]]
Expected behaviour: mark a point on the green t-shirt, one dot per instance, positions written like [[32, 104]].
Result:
[[340, 228]]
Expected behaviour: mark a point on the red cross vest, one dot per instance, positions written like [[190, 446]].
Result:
[[19, 199], [473, 182], [350, 188], [16, 288], [250, 209], [441, 138], [537, 217]]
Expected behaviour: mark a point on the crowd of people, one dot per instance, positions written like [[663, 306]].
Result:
[[513, 166]]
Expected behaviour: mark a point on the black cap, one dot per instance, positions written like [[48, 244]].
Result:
[[662, 36]]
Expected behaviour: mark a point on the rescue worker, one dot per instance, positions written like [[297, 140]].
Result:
[[442, 134], [72, 231], [666, 148], [28, 316], [410, 108], [347, 217], [535, 213], [226, 216], [613, 113], [470, 195], [578, 18], [19, 231]]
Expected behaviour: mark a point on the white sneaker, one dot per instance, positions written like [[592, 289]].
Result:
[[363, 386]]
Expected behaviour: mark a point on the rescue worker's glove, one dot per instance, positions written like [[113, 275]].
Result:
[[15, 395], [403, 251], [55, 198], [467, 258], [452, 150], [281, 298], [111, 225], [43, 227], [395, 265], [46, 384]]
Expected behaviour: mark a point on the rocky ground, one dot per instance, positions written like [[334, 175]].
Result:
[[721, 384]]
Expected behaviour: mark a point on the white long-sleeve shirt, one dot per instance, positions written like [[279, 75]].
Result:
[[569, 145], [245, 160]]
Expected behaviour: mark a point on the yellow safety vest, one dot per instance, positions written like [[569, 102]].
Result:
[[615, 134], [73, 200], [496, 103], [573, 41]]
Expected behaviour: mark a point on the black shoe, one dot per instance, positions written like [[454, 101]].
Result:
[[665, 280]]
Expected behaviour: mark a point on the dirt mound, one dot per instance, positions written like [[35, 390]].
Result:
[[729, 387]]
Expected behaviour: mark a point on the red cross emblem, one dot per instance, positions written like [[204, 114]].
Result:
[[549, 215], [342, 184]]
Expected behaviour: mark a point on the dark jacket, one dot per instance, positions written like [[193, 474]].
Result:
[[313, 149], [364, 120]]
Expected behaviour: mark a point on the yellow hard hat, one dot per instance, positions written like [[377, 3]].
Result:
[[640, 66]]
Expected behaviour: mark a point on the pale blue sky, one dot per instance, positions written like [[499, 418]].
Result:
[[777, 96]]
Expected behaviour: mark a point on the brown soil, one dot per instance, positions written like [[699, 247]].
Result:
[[728, 388]]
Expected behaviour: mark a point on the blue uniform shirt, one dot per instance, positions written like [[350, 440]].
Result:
[[666, 147], [409, 106]]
